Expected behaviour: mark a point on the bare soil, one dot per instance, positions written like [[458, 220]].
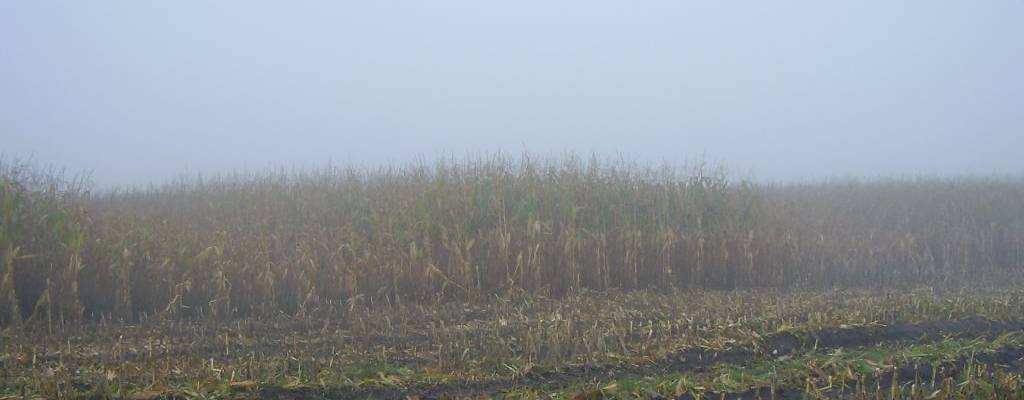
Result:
[[776, 345]]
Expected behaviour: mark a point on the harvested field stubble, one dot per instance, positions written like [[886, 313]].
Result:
[[499, 347], [515, 278]]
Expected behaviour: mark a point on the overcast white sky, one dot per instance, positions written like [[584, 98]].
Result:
[[139, 92]]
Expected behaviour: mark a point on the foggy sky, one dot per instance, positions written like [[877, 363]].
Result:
[[780, 90]]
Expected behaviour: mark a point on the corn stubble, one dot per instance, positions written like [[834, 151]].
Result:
[[320, 242]]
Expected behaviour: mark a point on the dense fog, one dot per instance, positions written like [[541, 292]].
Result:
[[137, 92]]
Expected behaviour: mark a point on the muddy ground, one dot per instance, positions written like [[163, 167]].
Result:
[[773, 346]]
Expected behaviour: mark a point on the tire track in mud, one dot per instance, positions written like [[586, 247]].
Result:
[[774, 345]]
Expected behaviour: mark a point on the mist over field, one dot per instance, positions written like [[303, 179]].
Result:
[[454, 199], [137, 92]]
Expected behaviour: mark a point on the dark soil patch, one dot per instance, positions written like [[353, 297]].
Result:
[[1009, 359], [775, 345]]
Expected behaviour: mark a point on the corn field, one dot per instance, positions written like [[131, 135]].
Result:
[[308, 242]]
